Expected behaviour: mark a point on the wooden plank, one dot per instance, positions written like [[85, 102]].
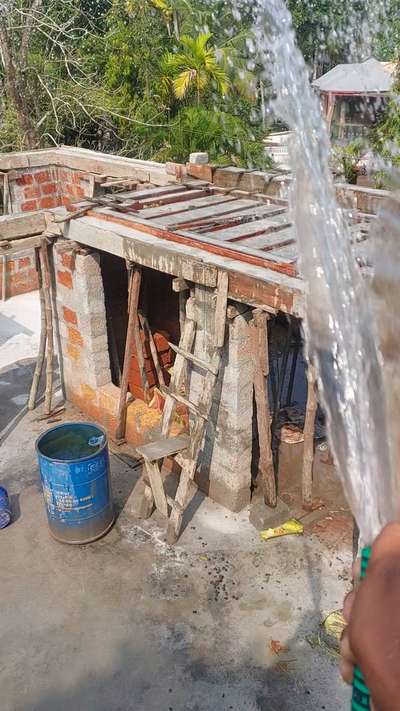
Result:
[[247, 229], [194, 359], [261, 368], [140, 360], [133, 301], [181, 499], [157, 486], [147, 331], [188, 204], [308, 451], [220, 309], [165, 447], [167, 201], [243, 217], [287, 252], [149, 192], [227, 207], [120, 181], [178, 373], [270, 241], [184, 401]]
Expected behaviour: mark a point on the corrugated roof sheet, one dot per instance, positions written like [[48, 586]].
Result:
[[369, 77]]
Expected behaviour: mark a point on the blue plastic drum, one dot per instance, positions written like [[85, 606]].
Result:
[[5, 509], [75, 473]]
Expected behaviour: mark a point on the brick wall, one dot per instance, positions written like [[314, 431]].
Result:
[[21, 274], [33, 189], [84, 345]]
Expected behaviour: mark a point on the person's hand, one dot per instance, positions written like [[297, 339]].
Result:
[[372, 638]]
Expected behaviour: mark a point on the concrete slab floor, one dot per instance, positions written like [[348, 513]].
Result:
[[128, 623], [19, 328]]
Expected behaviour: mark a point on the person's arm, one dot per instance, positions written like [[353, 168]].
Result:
[[372, 637]]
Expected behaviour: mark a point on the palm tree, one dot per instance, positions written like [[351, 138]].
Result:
[[195, 68]]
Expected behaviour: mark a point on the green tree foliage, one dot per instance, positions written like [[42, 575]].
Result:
[[144, 78]]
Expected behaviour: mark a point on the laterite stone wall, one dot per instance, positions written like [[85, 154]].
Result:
[[21, 275]]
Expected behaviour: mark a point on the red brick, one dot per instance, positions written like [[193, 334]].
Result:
[[68, 260], [32, 192], [65, 201], [48, 202], [21, 282], [76, 178], [63, 175], [10, 266], [70, 189], [79, 192], [69, 315], [42, 176], [26, 179], [161, 341], [29, 206], [202, 172], [49, 189], [64, 278], [24, 262], [75, 336]]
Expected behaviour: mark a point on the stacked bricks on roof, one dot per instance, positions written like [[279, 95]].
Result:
[[44, 188], [21, 274]]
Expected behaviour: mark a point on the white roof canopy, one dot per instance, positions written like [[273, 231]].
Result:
[[369, 77]]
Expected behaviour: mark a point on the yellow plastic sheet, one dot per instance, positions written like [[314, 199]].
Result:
[[290, 528], [334, 624]]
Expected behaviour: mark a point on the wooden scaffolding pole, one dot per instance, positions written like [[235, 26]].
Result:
[[261, 372], [309, 427], [133, 302], [43, 336], [46, 281]]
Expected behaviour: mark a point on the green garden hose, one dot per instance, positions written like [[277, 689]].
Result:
[[361, 698]]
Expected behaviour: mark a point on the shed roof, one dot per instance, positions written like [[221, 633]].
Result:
[[369, 77]]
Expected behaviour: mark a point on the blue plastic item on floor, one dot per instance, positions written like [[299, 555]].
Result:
[[75, 473], [5, 509]]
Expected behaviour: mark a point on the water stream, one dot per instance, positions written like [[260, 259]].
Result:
[[342, 327]]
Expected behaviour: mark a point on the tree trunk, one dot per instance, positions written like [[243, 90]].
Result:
[[17, 90]]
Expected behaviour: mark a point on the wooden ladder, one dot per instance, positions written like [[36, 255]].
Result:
[[187, 446]]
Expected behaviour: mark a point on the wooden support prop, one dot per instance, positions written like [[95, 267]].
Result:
[[194, 359], [184, 401], [147, 331], [178, 373], [261, 371], [46, 279], [220, 309], [133, 301], [43, 337], [140, 360], [4, 278], [309, 425]]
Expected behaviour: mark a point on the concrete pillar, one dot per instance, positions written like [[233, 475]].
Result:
[[225, 461]]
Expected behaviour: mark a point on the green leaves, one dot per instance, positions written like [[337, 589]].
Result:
[[194, 69]]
